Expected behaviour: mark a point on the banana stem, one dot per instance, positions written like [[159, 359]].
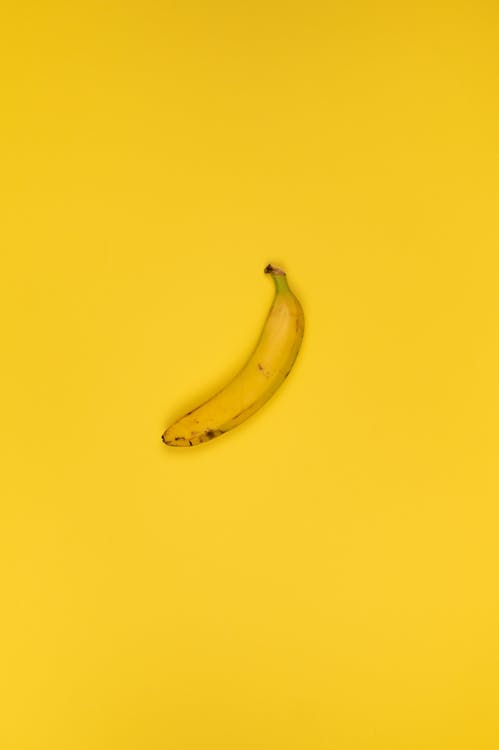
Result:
[[274, 270], [279, 277]]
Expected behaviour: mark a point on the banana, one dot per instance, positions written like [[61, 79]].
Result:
[[261, 376]]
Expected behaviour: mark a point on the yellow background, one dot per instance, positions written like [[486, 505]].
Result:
[[326, 576]]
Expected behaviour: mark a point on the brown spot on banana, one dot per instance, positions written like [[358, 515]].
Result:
[[210, 434]]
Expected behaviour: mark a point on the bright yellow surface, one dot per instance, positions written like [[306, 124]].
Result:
[[326, 576]]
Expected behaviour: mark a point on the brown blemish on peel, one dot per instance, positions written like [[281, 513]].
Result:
[[263, 370], [210, 434]]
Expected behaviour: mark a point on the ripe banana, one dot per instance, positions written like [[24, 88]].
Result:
[[259, 379]]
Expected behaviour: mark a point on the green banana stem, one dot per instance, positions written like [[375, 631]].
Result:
[[279, 277]]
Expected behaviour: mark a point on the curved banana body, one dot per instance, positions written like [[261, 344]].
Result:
[[259, 379]]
